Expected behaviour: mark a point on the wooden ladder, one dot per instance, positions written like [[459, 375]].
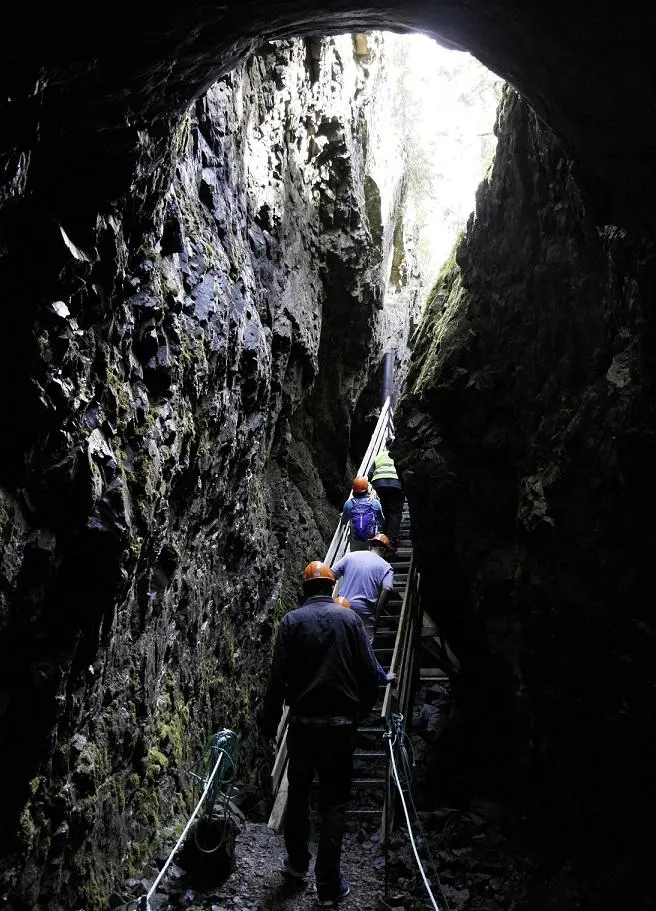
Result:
[[395, 646], [338, 547]]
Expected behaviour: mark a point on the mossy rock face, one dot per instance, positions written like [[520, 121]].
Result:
[[156, 763], [26, 830], [166, 491]]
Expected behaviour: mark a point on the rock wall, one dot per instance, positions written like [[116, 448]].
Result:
[[88, 112], [526, 448], [171, 365]]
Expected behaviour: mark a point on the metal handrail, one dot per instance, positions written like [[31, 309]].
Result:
[[398, 693], [336, 549]]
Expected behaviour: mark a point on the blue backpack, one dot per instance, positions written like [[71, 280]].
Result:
[[363, 519]]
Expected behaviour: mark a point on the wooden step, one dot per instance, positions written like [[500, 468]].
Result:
[[433, 673]]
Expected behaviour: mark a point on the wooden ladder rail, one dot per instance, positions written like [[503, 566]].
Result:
[[336, 549]]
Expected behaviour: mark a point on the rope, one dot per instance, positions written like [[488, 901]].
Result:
[[407, 819], [223, 799], [227, 742], [229, 738], [398, 738], [404, 758]]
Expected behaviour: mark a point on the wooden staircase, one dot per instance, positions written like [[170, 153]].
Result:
[[395, 641], [403, 635], [370, 777]]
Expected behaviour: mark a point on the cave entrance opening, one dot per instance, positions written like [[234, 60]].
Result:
[[422, 139]]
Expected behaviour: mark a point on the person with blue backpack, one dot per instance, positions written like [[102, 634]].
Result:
[[364, 513]]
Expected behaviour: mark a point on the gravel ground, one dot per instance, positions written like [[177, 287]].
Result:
[[257, 884], [476, 845]]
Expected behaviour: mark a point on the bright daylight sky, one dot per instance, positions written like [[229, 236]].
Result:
[[448, 101]]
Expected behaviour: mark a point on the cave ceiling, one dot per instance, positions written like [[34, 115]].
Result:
[[90, 89]]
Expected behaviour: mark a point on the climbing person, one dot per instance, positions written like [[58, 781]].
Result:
[[385, 481], [364, 513], [325, 670], [383, 676], [367, 581]]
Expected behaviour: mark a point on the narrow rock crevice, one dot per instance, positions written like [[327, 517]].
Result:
[[200, 280]]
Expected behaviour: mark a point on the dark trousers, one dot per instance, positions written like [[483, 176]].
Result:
[[391, 499], [328, 750]]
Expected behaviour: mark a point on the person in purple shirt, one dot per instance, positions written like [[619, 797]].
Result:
[[367, 581]]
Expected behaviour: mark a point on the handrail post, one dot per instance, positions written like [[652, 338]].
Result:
[[388, 377]]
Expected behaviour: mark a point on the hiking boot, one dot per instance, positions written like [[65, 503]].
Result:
[[292, 872], [331, 901]]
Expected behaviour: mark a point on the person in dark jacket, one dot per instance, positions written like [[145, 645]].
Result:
[[325, 670]]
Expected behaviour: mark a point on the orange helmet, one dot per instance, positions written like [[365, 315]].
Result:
[[360, 485], [318, 570], [342, 601], [381, 539]]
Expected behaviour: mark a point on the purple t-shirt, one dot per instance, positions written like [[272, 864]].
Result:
[[363, 574]]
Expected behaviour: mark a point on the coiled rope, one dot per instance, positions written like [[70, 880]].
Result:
[[223, 746]]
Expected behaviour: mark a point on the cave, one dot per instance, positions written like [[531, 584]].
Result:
[[172, 449]]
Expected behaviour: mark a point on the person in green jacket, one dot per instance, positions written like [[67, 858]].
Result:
[[385, 481]]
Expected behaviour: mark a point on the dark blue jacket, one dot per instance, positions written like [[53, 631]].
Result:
[[323, 665]]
